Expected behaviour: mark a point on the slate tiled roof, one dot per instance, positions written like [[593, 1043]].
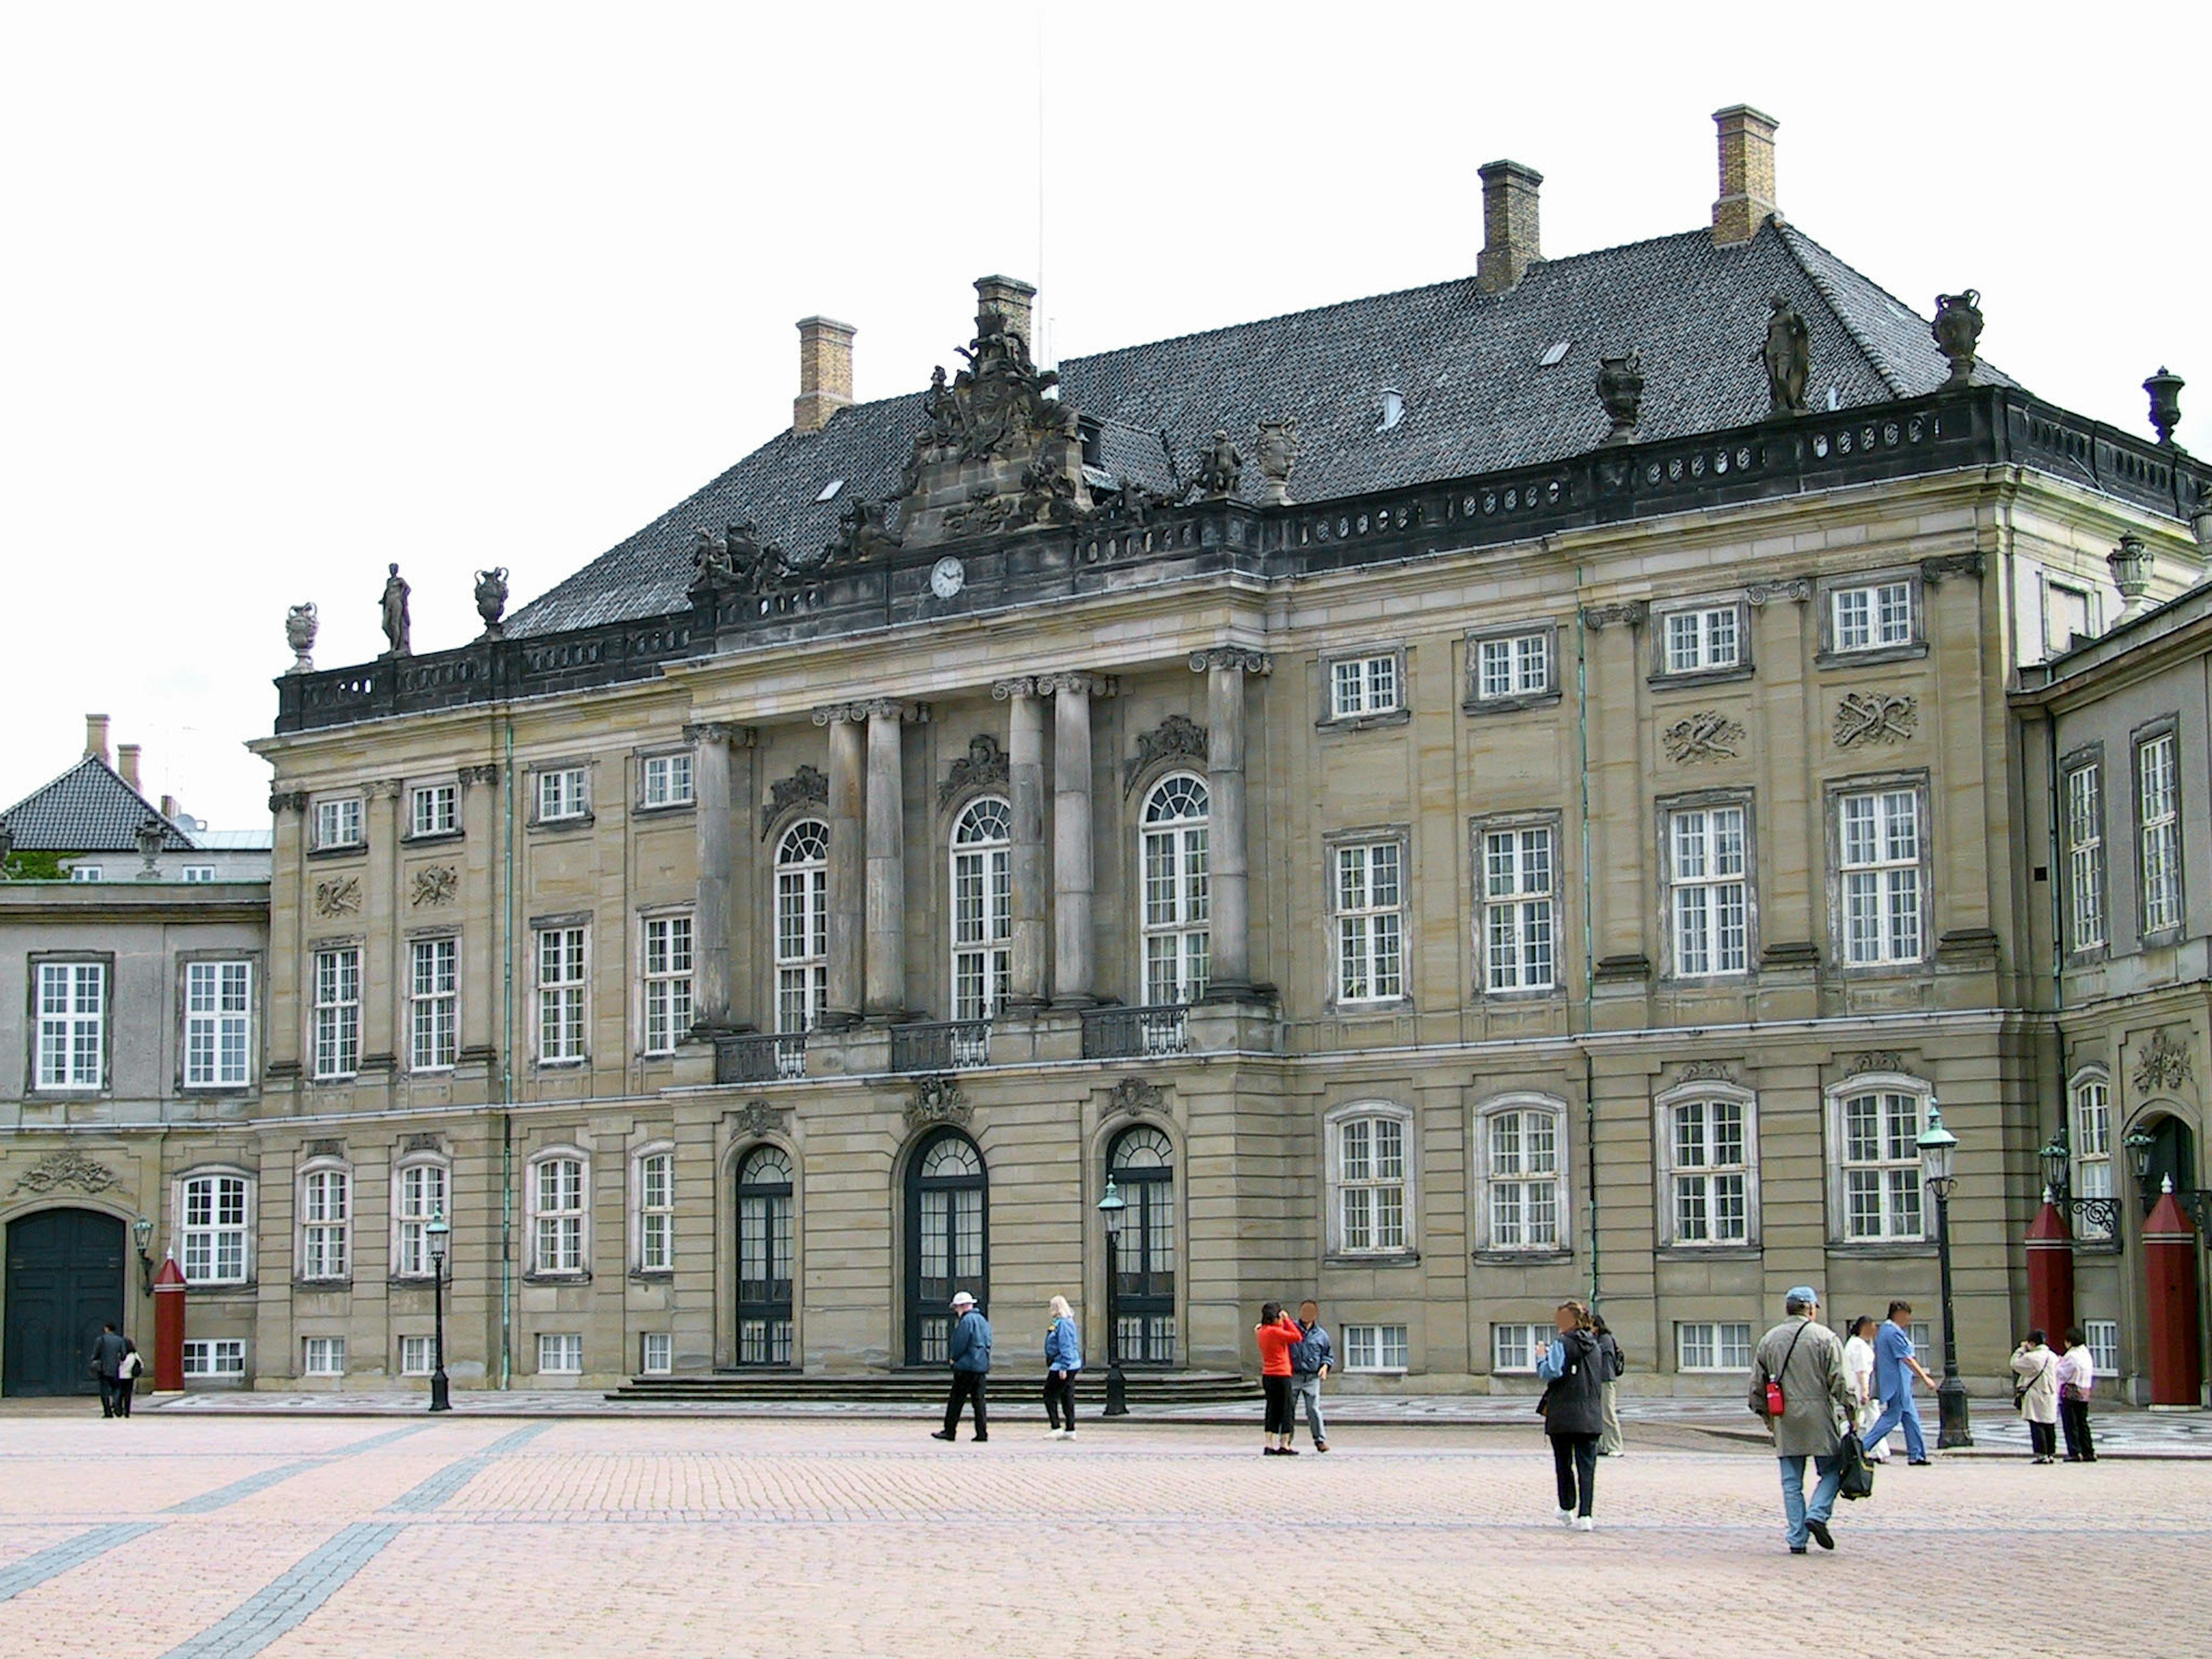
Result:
[[1466, 363], [89, 809]]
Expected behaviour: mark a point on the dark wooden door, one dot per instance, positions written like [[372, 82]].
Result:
[[64, 1281]]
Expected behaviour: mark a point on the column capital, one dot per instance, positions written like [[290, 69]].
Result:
[[1601, 617], [866, 708], [723, 732], [1020, 686], [288, 800], [479, 774], [384, 789], [1232, 657], [1076, 682]]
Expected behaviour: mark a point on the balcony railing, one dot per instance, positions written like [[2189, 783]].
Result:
[[1134, 1033], [950, 1045], [766, 1059]]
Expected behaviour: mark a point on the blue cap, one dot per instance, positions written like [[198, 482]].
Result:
[[1804, 1293]]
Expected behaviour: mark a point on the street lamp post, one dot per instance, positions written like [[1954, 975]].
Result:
[[1113, 1210], [1938, 1146], [436, 1234]]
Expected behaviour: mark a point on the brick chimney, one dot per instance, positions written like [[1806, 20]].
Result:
[[126, 763], [1010, 298], [171, 808], [825, 373], [95, 736], [1746, 200], [1510, 244]]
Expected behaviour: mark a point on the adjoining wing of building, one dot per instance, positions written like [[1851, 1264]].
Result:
[[1443, 803]]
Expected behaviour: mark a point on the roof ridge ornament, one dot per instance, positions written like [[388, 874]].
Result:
[[1957, 331]]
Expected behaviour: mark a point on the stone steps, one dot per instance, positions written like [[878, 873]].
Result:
[[927, 1387]]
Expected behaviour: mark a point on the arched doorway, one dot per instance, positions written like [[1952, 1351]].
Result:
[[764, 1254], [948, 1239], [64, 1281], [2171, 1152], [1142, 1163]]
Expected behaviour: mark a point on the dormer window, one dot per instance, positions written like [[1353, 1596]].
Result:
[[1394, 408]]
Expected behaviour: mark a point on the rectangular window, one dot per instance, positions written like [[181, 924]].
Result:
[[1364, 686], [656, 1212], [1878, 837], [1517, 917], [2103, 1340], [323, 1356], [435, 810], [417, 1356], [72, 1025], [337, 1012], [1371, 1184], [1881, 1166], [1517, 666], [199, 872], [338, 822], [1370, 923], [2068, 613], [1514, 1348], [1710, 1172], [561, 794], [1703, 640], [1524, 1180], [559, 1216], [87, 872], [1375, 1347], [1872, 618], [667, 983], [2158, 809], [1712, 1347], [802, 927], [667, 780], [433, 1004], [323, 1224], [2085, 857], [422, 1196], [218, 1022], [215, 1356], [656, 1353], [215, 1230], [1709, 890], [560, 1353], [2093, 1150], [560, 994]]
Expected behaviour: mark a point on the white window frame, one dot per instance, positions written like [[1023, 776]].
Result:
[[1693, 1116], [656, 1353], [1876, 614], [334, 1011], [198, 874], [1497, 1217], [563, 998], [1527, 1339], [1512, 668], [2082, 809], [800, 933], [204, 1357], [322, 1356], [325, 1243], [2157, 832], [1377, 1349], [339, 821], [1709, 637], [2089, 1141], [433, 1003], [71, 1006], [418, 1354], [218, 1022], [566, 1350], [1895, 1159], [414, 1203], [1367, 901], [1711, 867], [669, 954], [1366, 683], [1517, 905], [213, 1232], [666, 780], [1175, 894], [1372, 1195], [560, 1229], [433, 809], [561, 794], [2102, 1339], [1710, 1341], [1882, 897], [980, 907], [652, 1185], [87, 872]]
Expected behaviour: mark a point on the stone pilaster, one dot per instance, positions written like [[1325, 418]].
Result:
[[288, 891], [1230, 882], [1025, 786], [383, 966], [1073, 878], [481, 905], [713, 741], [847, 745], [885, 905]]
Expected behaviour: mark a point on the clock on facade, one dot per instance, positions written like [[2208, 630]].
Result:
[[948, 578]]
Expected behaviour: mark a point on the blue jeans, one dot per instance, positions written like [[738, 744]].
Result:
[[1900, 1410], [1830, 1471]]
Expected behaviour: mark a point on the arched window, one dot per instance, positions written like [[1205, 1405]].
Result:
[[2091, 1132], [1173, 851], [802, 925], [1142, 1164], [948, 1239], [764, 1273], [982, 908]]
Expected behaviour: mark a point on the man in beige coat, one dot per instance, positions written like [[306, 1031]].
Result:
[[1805, 1360]]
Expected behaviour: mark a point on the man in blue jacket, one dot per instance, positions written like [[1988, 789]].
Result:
[[969, 1351], [1312, 1356]]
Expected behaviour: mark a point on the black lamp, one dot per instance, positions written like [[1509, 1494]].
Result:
[[1939, 1150], [141, 1230], [1113, 1210], [2140, 1146], [435, 1234]]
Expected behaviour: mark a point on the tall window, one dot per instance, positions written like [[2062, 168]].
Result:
[[764, 1257], [323, 1215], [802, 925], [1709, 890], [338, 822], [1874, 617], [215, 1228], [561, 794], [1370, 922], [1878, 837], [1518, 947], [72, 1025], [435, 810], [433, 1003], [2158, 807], [1708, 1153], [218, 1023], [1142, 1164], [1173, 846], [1704, 639], [421, 1196], [1880, 1137], [1524, 1179], [556, 1193], [2092, 1145], [1363, 685], [1518, 666], [667, 779], [982, 908], [667, 983], [2085, 857], [1371, 1185], [560, 993], [656, 1212], [337, 1012]]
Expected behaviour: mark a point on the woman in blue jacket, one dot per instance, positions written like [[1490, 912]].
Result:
[[1063, 1358]]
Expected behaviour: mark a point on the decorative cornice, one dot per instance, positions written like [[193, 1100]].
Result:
[[1875, 1059], [1705, 1071], [1793, 587], [723, 732], [69, 1169], [984, 764], [1875, 717], [1951, 564], [1603, 617], [806, 785], [1232, 657]]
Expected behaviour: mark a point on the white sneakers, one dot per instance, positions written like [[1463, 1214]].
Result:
[[1059, 1434], [1585, 1525], [1566, 1517]]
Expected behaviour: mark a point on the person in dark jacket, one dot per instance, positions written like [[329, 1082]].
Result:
[[1063, 1360], [1574, 1373], [107, 1351], [969, 1351], [1311, 1357]]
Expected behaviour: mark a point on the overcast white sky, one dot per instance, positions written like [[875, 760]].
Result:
[[293, 291]]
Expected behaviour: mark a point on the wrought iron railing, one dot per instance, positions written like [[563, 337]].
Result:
[[761, 1059], [949, 1045], [1126, 1033]]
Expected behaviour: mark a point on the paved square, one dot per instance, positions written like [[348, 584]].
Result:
[[207, 1536]]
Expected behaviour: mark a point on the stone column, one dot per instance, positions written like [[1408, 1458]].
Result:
[[1229, 860], [481, 899], [1074, 878], [383, 955], [885, 952], [1025, 785], [288, 888], [711, 914], [847, 857]]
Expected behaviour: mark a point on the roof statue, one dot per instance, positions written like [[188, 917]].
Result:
[[1621, 393], [395, 615], [1788, 354], [1221, 466]]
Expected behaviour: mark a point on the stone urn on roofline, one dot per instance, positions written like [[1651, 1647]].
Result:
[[491, 600], [1957, 331]]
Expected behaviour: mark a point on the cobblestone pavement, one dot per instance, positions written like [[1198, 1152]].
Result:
[[221, 1536]]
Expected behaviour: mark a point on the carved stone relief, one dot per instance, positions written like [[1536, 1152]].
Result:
[[2162, 1064], [58, 1169], [757, 1117], [984, 764], [1133, 1094], [1876, 1059], [338, 897], [1706, 737], [807, 785], [1862, 717], [1705, 1071], [937, 1100], [437, 884], [1176, 737]]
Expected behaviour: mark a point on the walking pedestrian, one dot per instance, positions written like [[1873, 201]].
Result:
[[1312, 1356], [107, 1351], [2077, 1381], [1574, 1411], [2036, 1394], [1609, 1440], [968, 1349], [126, 1378], [1275, 1332], [1895, 1366], [1798, 1384], [1858, 1371], [1063, 1358]]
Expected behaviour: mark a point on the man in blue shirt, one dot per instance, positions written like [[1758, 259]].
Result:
[[1312, 1356], [1895, 1366], [969, 1348]]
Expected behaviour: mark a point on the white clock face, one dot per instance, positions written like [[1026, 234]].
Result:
[[949, 577]]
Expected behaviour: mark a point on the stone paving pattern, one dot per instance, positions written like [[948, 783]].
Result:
[[318, 1535]]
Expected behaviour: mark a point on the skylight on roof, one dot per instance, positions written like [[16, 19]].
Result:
[[1555, 354], [830, 490]]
